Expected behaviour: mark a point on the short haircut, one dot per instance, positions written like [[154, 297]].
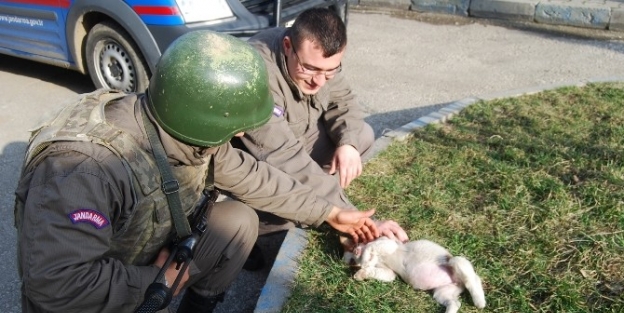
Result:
[[321, 26]]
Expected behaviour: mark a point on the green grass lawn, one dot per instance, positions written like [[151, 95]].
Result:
[[530, 189]]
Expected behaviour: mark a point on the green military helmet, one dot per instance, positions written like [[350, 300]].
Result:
[[208, 87]]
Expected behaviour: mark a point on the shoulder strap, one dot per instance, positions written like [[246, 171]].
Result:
[[170, 185]]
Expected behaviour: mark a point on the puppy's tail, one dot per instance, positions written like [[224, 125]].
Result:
[[465, 273]]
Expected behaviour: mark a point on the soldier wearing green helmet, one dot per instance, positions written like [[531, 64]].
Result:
[[94, 213], [211, 115]]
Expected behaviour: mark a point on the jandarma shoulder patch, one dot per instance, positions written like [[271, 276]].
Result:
[[93, 217], [277, 111]]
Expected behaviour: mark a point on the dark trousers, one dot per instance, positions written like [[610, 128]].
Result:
[[220, 254]]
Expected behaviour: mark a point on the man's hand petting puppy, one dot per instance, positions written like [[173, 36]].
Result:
[[357, 224], [392, 230]]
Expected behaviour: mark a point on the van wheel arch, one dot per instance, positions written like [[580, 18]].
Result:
[[113, 59]]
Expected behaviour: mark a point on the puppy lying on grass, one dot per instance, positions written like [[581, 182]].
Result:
[[423, 264]]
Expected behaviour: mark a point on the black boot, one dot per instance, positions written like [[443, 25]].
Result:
[[194, 303], [255, 260]]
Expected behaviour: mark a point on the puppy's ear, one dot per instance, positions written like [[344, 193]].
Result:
[[357, 251], [347, 244], [347, 247]]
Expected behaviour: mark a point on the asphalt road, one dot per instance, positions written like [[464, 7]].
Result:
[[401, 68]]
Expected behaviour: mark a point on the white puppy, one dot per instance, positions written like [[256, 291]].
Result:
[[423, 264]]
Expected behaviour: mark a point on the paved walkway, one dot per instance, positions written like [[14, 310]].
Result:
[[599, 14]]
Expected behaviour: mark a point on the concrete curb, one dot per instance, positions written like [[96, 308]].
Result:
[[597, 14], [284, 271]]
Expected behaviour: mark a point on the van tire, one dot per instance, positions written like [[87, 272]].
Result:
[[113, 59]]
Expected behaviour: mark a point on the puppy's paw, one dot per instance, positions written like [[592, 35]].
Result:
[[360, 275]]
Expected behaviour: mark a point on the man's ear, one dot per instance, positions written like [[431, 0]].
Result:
[[287, 44]]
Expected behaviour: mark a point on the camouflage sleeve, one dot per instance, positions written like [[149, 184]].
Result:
[[266, 188], [71, 204]]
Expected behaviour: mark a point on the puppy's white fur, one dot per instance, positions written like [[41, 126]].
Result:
[[424, 265]]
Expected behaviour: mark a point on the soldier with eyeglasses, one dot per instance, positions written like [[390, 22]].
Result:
[[317, 132]]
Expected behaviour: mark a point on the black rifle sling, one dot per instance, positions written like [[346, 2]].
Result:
[[170, 185]]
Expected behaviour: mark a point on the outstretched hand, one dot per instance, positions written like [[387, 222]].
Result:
[[348, 162], [357, 224]]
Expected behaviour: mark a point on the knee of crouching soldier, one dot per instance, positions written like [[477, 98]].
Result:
[[237, 219]]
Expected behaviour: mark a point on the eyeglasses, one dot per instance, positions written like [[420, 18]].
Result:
[[314, 72]]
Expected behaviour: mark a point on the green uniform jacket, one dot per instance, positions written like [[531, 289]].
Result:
[[281, 142]]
